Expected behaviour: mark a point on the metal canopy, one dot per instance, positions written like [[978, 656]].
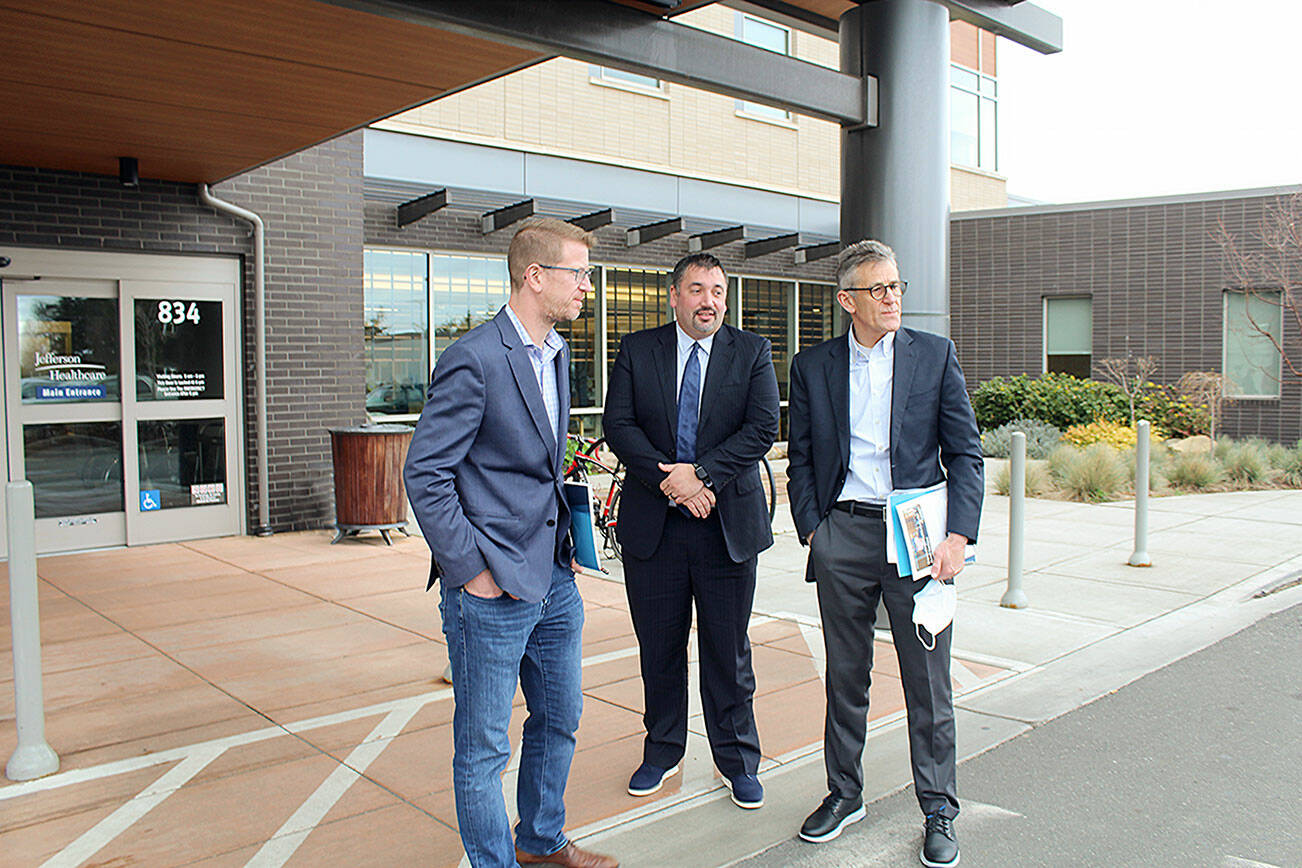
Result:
[[624, 38]]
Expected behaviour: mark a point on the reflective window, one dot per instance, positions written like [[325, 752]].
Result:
[[178, 349], [619, 76], [182, 463], [766, 306], [1252, 363], [973, 119], [770, 36], [395, 330], [1068, 336], [817, 315], [74, 469], [635, 299], [582, 337], [465, 291], [67, 349]]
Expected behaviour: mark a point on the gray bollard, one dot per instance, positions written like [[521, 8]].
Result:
[[32, 758], [1014, 597], [1140, 557]]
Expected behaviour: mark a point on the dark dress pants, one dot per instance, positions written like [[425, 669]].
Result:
[[849, 555], [692, 563]]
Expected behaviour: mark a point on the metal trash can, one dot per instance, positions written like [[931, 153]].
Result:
[[368, 479]]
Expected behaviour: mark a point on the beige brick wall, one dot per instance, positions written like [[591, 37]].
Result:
[[972, 190], [557, 108]]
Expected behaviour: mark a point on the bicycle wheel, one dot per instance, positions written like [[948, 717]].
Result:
[[770, 490], [609, 520]]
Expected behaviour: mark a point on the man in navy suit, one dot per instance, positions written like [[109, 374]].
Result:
[[880, 408], [484, 478], [691, 409]]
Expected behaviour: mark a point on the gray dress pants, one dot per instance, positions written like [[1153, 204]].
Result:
[[849, 562]]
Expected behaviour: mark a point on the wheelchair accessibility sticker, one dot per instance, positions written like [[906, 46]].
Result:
[[150, 500]]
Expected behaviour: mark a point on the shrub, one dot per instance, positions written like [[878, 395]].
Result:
[[1114, 434], [1096, 475], [1041, 438], [1172, 411], [1193, 470], [1060, 400], [1062, 461], [1037, 479], [1245, 462], [1290, 467], [1156, 457]]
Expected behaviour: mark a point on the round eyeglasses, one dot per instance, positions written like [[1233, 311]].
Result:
[[580, 274], [878, 290]]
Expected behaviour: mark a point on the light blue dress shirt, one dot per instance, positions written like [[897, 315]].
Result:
[[872, 374], [543, 360]]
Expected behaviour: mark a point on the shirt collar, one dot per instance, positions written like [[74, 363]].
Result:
[[883, 349], [552, 343], [685, 341]]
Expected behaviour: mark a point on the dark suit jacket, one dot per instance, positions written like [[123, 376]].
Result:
[[737, 425], [931, 422], [483, 470]]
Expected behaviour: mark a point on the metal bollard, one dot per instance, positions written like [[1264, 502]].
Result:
[[1140, 557], [32, 758], [1014, 597]]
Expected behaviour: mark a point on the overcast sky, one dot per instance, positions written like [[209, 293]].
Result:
[[1151, 97]]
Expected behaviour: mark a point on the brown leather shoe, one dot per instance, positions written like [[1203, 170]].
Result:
[[569, 856]]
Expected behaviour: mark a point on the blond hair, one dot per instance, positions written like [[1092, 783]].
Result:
[[540, 239]]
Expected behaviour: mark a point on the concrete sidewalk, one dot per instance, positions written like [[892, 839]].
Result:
[[276, 701]]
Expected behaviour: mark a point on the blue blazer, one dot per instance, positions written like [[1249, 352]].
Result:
[[483, 471], [738, 421], [931, 423]]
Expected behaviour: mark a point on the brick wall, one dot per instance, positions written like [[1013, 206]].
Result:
[[311, 204], [1153, 270]]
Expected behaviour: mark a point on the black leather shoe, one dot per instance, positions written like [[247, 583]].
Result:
[[831, 817], [940, 847]]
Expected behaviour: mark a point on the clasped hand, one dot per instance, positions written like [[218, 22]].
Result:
[[682, 487]]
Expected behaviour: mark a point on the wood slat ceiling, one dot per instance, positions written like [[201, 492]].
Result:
[[200, 91]]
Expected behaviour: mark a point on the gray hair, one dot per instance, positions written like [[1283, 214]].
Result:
[[865, 252]]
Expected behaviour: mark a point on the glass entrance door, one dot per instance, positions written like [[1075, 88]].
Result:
[[122, 398]]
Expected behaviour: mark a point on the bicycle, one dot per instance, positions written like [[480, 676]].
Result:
[[584, 456]]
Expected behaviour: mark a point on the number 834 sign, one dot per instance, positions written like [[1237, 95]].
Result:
[[177, 312]]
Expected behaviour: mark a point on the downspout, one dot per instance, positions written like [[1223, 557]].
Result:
[[259, 351]]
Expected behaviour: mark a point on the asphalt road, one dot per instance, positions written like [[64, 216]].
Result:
[[1197, 764]]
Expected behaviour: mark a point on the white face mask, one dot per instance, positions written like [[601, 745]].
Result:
[[933, 609]]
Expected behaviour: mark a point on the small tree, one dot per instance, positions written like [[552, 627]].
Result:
[[1118, 371], [1206, 387], [1266, 264]]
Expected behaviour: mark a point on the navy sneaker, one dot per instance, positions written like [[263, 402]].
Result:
[[939, 847], [648, 778], [746, 791]]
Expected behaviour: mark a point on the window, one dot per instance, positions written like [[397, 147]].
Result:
[[581, 334], [818, 313], [395, 331], [766, 311], [1253, 326], [1068, 336], [763, 34], [635, 299], [973, 119], [622, 79]]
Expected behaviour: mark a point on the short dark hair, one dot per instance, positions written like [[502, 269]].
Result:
[[696, 260]]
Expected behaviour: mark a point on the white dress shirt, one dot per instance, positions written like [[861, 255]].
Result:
[[871, 378], [543, 360], [685, 342]]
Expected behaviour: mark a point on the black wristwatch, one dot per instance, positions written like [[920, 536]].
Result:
[[703, 475]]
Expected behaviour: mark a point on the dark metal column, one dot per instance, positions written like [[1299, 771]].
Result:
[[895, 177]]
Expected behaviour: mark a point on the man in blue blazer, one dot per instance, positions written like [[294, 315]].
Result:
[[484, 478], [691, 409], [880, 408]]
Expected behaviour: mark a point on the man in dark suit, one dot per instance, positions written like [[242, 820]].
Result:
[[691, 409], [877, 409], [484, 478]]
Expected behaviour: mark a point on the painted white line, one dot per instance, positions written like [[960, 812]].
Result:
[[97, 836], [294, 831]]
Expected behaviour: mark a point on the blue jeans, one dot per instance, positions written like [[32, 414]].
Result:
[[493, 644]]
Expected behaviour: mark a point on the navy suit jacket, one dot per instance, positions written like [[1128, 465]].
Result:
[[737, 425], [931, 422], [483, 470]]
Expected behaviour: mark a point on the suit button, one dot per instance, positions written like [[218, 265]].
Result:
[[551, 522]]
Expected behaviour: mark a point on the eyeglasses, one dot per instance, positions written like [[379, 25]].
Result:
[[879, 290], [580, 274]]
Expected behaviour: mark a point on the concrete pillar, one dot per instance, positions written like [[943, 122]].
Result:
[[895, 177]]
